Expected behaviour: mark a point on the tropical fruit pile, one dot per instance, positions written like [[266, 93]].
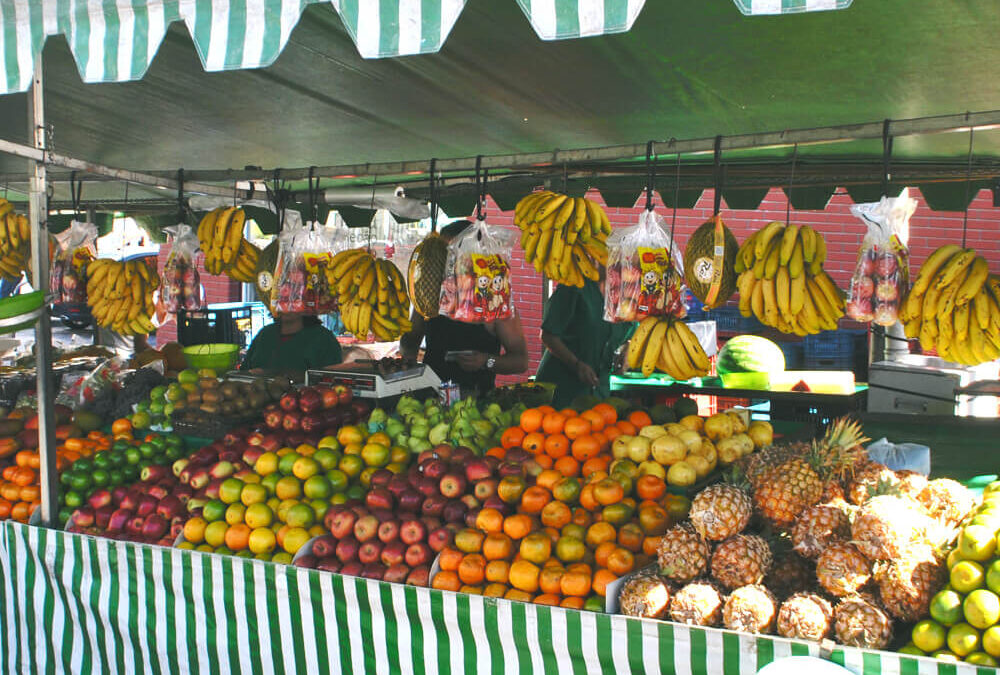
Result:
[[954, 307], [782, 281], [220, 233], [562, 236], [819, 542], [372, 294], [120, 294], [15, 238], [668, 345]]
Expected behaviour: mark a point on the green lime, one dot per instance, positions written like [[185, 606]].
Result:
[[945, 655], [912, 649], [100, 477], [355, 492], [338, 480], [214, 510], [133, 456], [102, 460], [967, 575], [72, 499], [594, 603], [929, 636], [981, 608], [963, 639], [65, 477], [116, 477], [981, 659], [946, 607], [991, 640]]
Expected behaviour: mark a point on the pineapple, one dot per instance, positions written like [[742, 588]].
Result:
[[911, 483], [907, 585], [720, 511], [860, 622], [757, 465], [805, 616], [869, 479], [790, 574], [741, 560], [842, 570], [946, 500], [751, 609], [426, 273], [682, 554], [887, 526], [799, 482], [818, 527], [644, 596], [699, 603]]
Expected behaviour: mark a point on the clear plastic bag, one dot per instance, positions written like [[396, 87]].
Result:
[[304, 254], [75, 247], [476, 286], [180, 286], [645, 274], [882, 274]]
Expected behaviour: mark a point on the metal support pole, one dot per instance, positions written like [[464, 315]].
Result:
[[40, 282]]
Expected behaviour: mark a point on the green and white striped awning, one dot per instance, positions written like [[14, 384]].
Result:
[[116, 40]]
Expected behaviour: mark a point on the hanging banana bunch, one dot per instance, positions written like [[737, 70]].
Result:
[[120, 295], [15, 242], [371, 293], [220, 234]]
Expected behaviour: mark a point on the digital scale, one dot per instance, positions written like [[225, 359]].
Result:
[[369, 379]]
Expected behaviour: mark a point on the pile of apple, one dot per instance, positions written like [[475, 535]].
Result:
[[407, 518], [307, 414]]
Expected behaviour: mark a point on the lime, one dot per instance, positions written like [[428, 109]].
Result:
[[963, 639], [991, 488], [929, 636], [977, 542], [594, 603], [214, 510], [981, 659], [912, 649], [945, 655], [981, 608], [946, 607], [991, 640], [967, 575]]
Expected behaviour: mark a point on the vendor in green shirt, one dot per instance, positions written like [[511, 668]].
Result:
[[293, 343], [579, 344]]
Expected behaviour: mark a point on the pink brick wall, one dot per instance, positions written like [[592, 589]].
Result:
[[217, 289]]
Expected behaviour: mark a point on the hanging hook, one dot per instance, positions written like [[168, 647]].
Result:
[[434, 196], [886, 156], [565, 178], [313, 194], [968, 186], [180, 195], [791, 183], [677, 199], [650, 175], [480, 189], [717, 171], [76, 193]]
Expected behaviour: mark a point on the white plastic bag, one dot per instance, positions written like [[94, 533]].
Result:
[[643, 277], [76, 246], [181, 283], [304, 254], [882, 274], [476, 286], [901, 456]]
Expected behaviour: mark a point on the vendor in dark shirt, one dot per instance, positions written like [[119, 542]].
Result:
[[293, 343], [482, 350]]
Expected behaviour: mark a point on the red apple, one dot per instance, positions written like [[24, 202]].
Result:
[[470, 517], [410, 500], [388, 531], [462, 455], [329, 396], [374, 571], [344, 394], [273, 418], [518, 455], [370, 551], [135, 525], [470, 501], [431, 522], [381, 478], [183, 492], [158, 491], [347, 549], [289, 402], [100, 499], [418, 554], [170, 507], [452, 485], [435, 469], [102, 515], [291, 421], [330, 565], [342, 523], [252, 453], [494, 502], [419, 576], [443, 451], [454, 511], [352, 569], [154, 527], [433, 505], [147, 505], [83, 517], [477, 469], [178, 466], [308, 561], [485, 489], [119, 519], [324, 546], [393, 553], [396, 574], [412, 532], [366, 528], [200, 478], [311, 422], [309, 400], [427, 486]]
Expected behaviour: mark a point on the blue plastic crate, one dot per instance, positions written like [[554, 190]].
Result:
[[727, 319], [834, 344], [849, 362], [793, 352]]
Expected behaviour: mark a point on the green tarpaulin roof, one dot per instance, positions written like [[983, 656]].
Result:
[[684, 70]]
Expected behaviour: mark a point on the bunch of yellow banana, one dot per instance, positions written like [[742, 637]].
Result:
[[120, 295], [782, 281], [15, 239], [220, 233], [668, 345], [953, 307], [562, 236], [371, 294]]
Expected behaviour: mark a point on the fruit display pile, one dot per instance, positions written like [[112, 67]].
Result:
[[371, 293], [120, 294], [782, 281], [220, 234], [954, 307], [668, 345], [200, 396], [817, 542], [15, 240], [563, 237]]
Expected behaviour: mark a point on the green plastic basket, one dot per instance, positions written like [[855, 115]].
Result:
[[219, 357], [16, 305]]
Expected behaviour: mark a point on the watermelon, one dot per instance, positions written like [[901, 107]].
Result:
[[750, 354]]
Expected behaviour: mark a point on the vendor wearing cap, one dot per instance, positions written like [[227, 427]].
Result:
[[469, 354], [579, 344], [294, 342]]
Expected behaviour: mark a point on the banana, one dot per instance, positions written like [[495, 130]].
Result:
[[542, 252], [637, 344], [757, 300], [764, 238], [929, 270], [961, 321], [797, 294], [773, 260], [744, 285], [783, 291], [912, 329], [671, 367], [233, 235], [651, 352], [973, 282], [958, 264], [598, 250], [809, 317], [680, 354], [531, 213], [362, 269], [527, 205], [824, 308], [930, 302], [760, 266], [693, 348], [770, 302], [788, 241], [556, 248], [549, 209], [809, 237], [746, 252], [562, 216], [830, 290], [219, 231], [981, 307], [796, 263], [946, 303]]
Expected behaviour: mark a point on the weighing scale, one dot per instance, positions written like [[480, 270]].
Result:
[[370, 379]]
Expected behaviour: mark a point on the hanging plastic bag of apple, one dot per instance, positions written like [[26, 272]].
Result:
[[882, 274], [75, 246], [304, 254], [181, 283], [476, 287], [645, 274]]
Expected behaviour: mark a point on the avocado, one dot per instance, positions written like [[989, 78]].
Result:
[[584, 402], [619, 404], [661, 414], [684, 407]]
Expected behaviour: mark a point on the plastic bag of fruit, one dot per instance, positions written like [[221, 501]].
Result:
[[304, 253], [645, 273], [180, 286], [882, 274], [75, 247], [476, 286]]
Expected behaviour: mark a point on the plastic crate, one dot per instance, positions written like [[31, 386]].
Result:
[[836, 350], [727, 319], [794, 354], [226, 323]]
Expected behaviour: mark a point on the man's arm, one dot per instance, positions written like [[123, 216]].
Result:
[[409, 343], [558, 349], [514, 358]]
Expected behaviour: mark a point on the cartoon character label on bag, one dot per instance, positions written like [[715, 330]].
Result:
[[655, 268], [317, 295], [491, 296]]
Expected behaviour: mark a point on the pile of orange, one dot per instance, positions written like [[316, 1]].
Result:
[[582, 525]]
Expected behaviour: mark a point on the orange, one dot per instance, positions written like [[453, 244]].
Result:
[[650, 487], [544, 461], [607, 411], [450, 559], [5, 507], [520, 596], [608, 491], [472, 569], [531, 419], [524, 576], [599, 533], [471, 590], [494, 590], [627, 428], [582, 517], [603, 552], [611, 432], [490, 521], [536, 548], [576, 427], [534, 442], [497, 546], [650, 545], [585, 447], [567, 466], [534, 499], [572, 603], [568, 412], [653, 519], [546, 409], [30, 493], [596, 419], [549, 599], [468, 540], [548, 579], [497, 571], [621, 561], [238, 536], [553, 423], [517, 526], [20, 512], [630, 537], [556, 446], [594, 464], [640, 419], [548, 478], [551, 532], [498, 452], [446, 580], [602, 440], [556, 514], [587, 498], [570, 549], [575, 582], [512, 437], [601, 580], [567, 490]]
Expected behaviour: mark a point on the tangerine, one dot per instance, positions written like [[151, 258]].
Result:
[[640, 418], [524, 576], [556, 446], [650, 487], [512, 437], [603, 552], [575, 582], [534, 499], [611, 432], [548, 478], [548, 579], [553, 423], [549, 599], [498, 572], [499, 452], [497, 546], [627, 428], [518, 595], [556, 514], [621, 561], [585, 447], [531, 419], [576, 427], [494, 590], [607, 411], [517, 526], [544, 461], [596, 419], [472, 569], [490, 520], [536, 548], [572, 603], [601, 580], [567, 466], [534, 442], [446, 580], [600, 532], [449, 559], [594, 464]]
